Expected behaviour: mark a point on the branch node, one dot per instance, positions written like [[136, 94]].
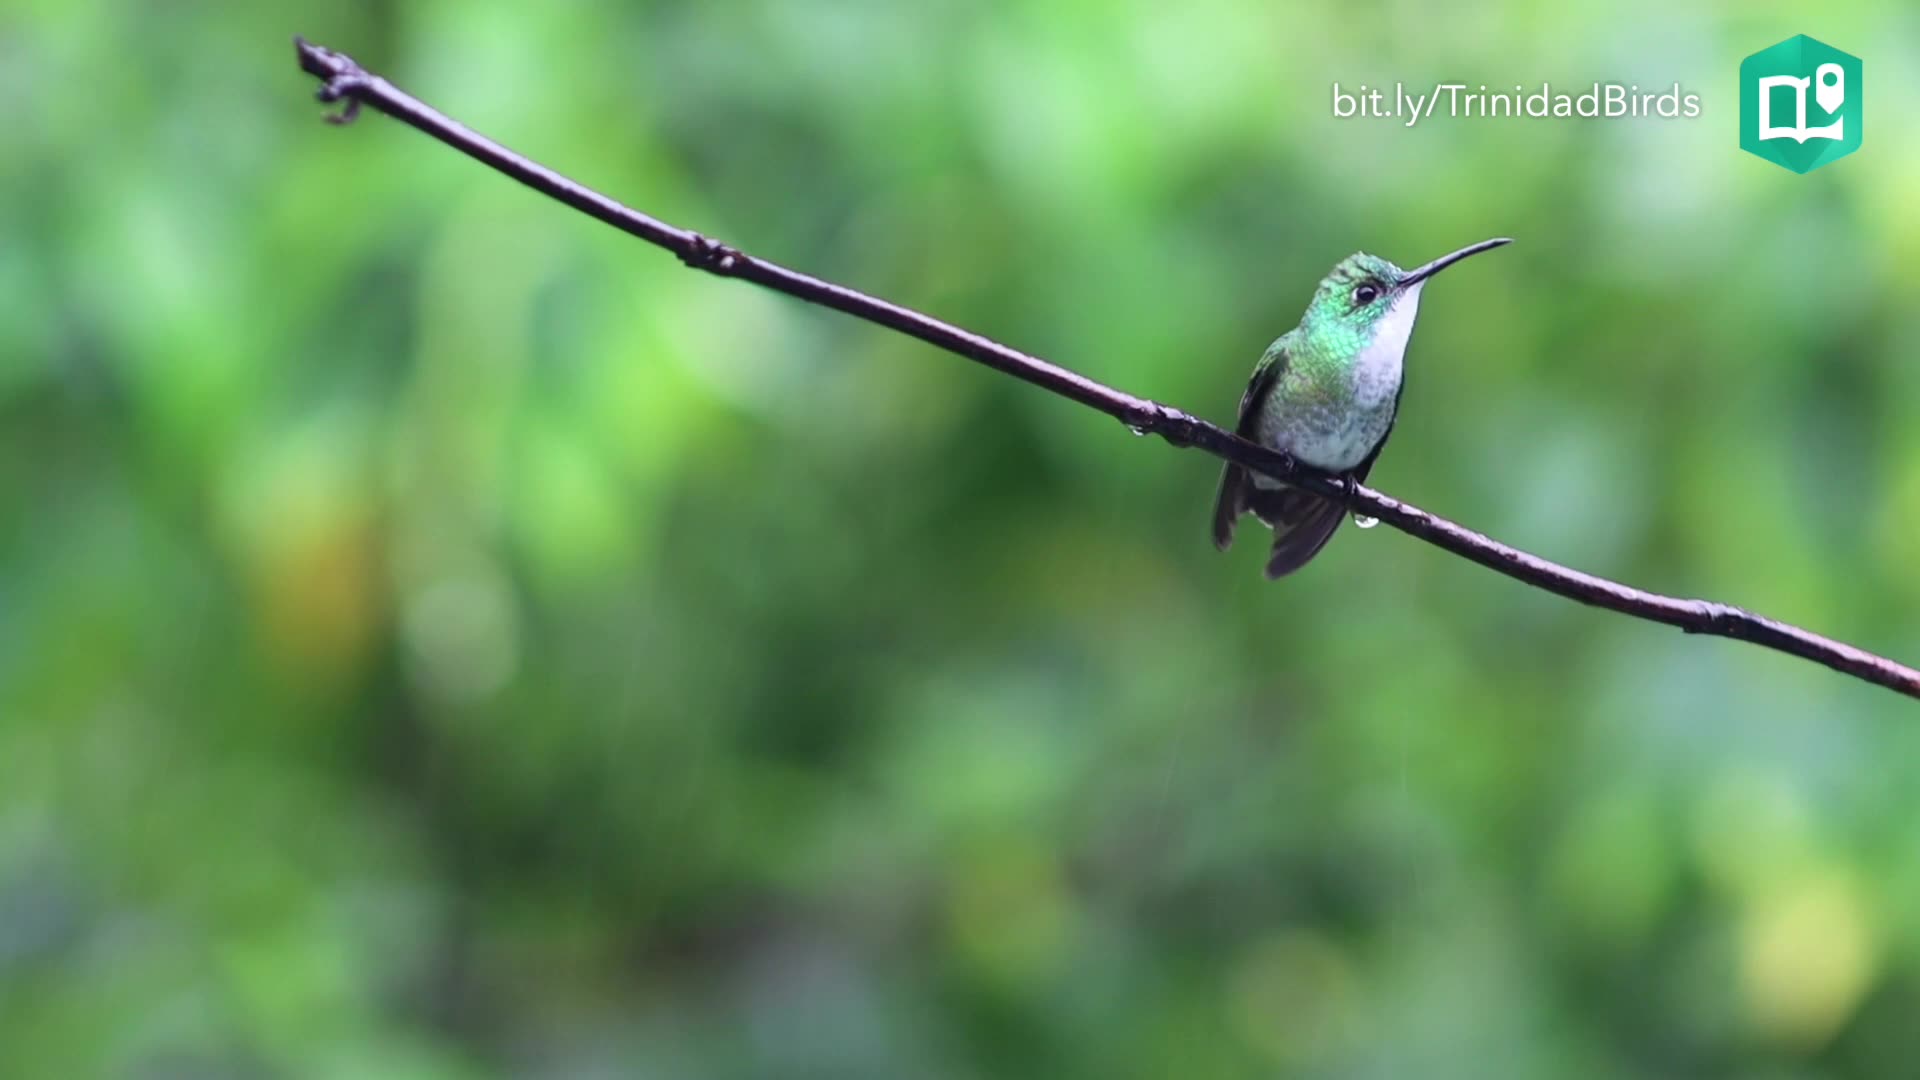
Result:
[[341, 78], [1175, 427], [1712, 617], [706, 253]]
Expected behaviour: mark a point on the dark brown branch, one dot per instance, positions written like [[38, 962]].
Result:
[[347, 82]]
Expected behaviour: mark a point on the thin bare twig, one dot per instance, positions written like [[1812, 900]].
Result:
[[345, 81]]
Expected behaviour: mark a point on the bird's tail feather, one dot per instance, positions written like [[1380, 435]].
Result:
[[1302, 524]]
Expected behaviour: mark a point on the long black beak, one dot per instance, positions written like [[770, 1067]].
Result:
[[1416, 276]]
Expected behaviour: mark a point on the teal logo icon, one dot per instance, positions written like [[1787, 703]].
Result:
[[1800, 104]]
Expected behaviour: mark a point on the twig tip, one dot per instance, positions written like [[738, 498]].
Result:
[[341, 78]]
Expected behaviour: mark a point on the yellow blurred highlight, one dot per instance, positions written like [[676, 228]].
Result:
[[314, 594], [303, 521], [1807, 956], [1806, 946]]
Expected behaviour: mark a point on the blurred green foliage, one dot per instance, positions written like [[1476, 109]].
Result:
[[441, 637]]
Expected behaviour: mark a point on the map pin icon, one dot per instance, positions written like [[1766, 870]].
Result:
[[1829, 87]]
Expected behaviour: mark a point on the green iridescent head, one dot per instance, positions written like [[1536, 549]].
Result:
[[1363, 288]]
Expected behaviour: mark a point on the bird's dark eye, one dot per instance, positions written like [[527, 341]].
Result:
[[1366, 294]]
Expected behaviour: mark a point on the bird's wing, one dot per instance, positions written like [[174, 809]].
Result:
[[1231, 501]]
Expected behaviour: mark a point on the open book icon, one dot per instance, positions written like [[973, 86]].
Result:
[[1831, 92]]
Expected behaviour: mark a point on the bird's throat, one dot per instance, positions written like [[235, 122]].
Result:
[[1378, 369]]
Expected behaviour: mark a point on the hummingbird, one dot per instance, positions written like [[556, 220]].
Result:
[[1326, 394]]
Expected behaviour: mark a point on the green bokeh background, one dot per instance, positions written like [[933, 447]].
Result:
[[442, 637]]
